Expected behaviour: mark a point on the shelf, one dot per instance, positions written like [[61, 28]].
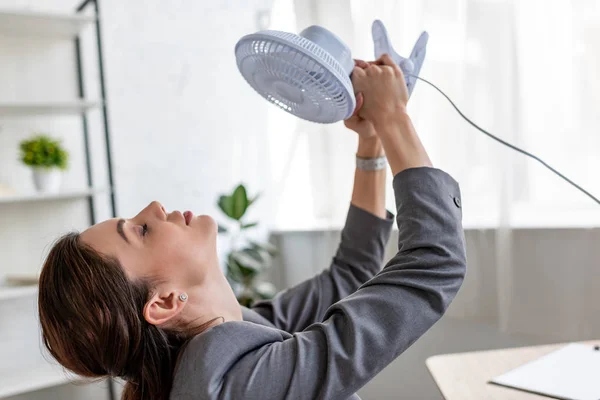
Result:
[[16, 292], [42, 25], [46, 108], [43, 375], [65, 195]]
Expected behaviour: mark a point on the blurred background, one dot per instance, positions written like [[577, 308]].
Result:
[[159, 111]]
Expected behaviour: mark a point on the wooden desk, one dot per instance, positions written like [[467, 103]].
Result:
[[465, 376]]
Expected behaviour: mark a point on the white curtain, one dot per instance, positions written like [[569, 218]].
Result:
[[526, 70]]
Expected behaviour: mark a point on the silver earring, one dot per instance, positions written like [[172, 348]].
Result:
[[183, 297]]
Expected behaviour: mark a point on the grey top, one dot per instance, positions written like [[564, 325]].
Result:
[[328, 336]]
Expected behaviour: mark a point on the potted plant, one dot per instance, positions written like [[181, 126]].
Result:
[[47, 158], [246, 258]]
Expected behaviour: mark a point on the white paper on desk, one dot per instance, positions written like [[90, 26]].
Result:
[[569, 373]]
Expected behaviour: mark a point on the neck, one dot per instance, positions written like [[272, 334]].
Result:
[[214, 300]]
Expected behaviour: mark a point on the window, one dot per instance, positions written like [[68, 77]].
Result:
[[525, 71]]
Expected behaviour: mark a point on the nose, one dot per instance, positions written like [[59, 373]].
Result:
[[156, 208]]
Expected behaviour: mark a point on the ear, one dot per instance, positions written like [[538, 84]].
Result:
[[162, 307]]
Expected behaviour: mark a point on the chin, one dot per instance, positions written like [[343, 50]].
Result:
[[207, 222]]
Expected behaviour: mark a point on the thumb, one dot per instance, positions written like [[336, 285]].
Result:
[[354, 120], [360, 100], [352, 123]]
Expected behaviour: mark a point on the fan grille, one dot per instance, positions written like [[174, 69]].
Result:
[[297, 75]]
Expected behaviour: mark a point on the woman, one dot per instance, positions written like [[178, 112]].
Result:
[[144, 298]]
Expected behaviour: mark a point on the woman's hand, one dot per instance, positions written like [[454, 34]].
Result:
[[369, 145], [383, 90], [364, 128], [384, 102]]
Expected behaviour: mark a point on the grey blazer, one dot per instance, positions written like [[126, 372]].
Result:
[[330, 335]]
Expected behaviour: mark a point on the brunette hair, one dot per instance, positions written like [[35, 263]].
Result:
[[92, 321]]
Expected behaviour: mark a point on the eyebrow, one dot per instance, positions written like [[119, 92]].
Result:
[[120, 229]]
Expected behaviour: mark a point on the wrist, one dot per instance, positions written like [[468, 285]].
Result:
[[393, 121], [369, 147], [402, 145]]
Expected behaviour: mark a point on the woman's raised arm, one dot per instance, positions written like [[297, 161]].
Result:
[[361, 250]]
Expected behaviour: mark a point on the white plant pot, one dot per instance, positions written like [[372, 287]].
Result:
[[47, 180]]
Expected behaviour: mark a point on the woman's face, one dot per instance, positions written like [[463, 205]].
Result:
[[170, 247]]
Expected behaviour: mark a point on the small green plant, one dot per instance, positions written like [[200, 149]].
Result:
[[247, 258], [43, 152]]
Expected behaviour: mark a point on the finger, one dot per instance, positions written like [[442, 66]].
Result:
[[386, 61], [358, 72], [352, 122], [357, 77], [361, 64], [373, 69], [359, 103]]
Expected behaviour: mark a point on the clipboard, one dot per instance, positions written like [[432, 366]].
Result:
[[569, 373]]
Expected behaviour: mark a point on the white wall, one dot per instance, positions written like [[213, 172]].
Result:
[[185, 126]]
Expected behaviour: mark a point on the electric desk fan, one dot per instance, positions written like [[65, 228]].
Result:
[[308, 75]]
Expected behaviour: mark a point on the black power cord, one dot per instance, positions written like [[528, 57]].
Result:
[[528, 154]]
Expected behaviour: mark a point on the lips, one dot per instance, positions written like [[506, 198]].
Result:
[[188, 215]]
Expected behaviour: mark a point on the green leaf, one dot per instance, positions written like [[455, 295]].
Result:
[[245, 301], [265, 290], [240, 202], [267, 257], [222, 229], [248, 226], [246, 260], [259, 255], [233, 271], [226, 205], [268, 247], [248, 273]]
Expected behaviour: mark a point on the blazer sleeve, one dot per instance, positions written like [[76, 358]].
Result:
[[367, 330], [358, 258]]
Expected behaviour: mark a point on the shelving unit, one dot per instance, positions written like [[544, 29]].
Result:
[[18, 23], [57, 108], [63, 195], [36, 24], [16, 292], [38, 372]]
